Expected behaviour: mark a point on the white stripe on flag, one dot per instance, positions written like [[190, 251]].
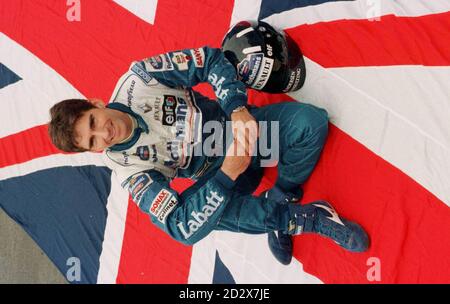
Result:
[[144, 9], [33, 96], [51, 161], [361, 9], [114, 231], [387, 118], [419, 94], [245, 10], [248, 259]]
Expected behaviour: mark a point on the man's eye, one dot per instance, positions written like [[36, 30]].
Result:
[[92, 124]]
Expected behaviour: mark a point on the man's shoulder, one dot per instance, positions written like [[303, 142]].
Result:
[[119, 162], [125, 84], [136, 81], [125, 163]]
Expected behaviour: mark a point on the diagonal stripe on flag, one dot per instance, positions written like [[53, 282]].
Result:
[[393, 40]]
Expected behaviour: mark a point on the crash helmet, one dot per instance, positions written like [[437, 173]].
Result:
[[265, 59]]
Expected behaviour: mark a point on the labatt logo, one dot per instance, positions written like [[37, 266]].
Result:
[[199, 218]]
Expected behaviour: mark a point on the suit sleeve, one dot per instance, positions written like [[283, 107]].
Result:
[[189, 67], [188, 217]]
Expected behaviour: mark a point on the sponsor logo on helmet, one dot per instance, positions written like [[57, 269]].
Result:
[[269, 50], [249, 67], [294, 79], [264, 74], [243, 68]]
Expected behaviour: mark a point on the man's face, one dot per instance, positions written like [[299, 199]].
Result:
[[100, 128]]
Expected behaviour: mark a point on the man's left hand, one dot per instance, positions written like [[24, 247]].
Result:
[[245, 129]]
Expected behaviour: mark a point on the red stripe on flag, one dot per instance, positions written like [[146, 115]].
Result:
[[393, 40], [149, 255], [25, 146], [408, 226]]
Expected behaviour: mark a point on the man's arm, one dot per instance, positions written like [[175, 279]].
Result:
[[192, 66], [188, 217], [191, 216]]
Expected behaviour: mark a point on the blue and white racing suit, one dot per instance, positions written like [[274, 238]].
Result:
[[170, 118]]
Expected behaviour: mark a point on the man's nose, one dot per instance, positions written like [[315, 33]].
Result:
[[103, 133]]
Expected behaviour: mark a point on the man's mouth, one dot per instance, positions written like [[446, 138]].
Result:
[[112, 132]]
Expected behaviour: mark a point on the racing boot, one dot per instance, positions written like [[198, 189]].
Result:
[[280, 243], [320, 217]]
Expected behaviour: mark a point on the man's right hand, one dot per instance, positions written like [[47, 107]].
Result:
[[237, 159]]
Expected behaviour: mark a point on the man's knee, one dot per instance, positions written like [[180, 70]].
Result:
[[311, 120]]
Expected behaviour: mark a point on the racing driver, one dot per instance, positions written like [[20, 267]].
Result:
[[151, 130]]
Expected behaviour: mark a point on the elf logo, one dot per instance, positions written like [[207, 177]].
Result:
[[200, 218], [168, 109], [269, 50]]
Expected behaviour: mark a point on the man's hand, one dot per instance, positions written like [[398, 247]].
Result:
[[245, 135], [245, 130], [236, 161]]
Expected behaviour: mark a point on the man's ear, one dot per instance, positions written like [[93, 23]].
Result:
[[98, 103]]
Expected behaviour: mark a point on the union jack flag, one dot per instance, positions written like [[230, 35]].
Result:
[[379, 67]]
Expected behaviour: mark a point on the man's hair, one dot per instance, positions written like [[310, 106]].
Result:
[[63, 116]]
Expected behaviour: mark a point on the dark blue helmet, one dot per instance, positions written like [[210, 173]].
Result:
[[265, 59]]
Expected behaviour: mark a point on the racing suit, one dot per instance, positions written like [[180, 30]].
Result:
[[171, 118]]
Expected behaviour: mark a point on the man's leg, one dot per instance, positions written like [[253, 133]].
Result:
[[254, 215], [302, 131]]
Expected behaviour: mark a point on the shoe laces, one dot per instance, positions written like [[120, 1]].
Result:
[[335, 231]]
